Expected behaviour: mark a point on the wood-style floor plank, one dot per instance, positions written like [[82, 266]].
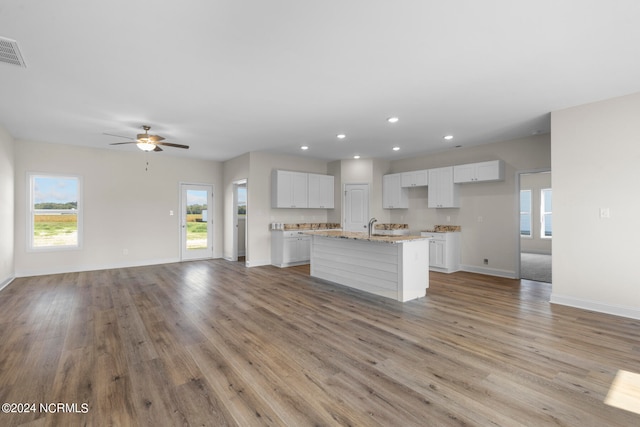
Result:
[[213, 343]]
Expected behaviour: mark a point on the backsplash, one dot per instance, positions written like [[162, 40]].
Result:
[[312, 226], [391, 226], [444, 229]]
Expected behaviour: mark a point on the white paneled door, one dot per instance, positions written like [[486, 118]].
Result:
[[196, 206], [356, 207]]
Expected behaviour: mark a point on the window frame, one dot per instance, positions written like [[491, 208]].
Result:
[[530, 213], [31, 212], [543, 213]]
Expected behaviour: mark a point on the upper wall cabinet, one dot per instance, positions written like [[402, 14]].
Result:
[[301, 190], [320, 191], [479, 172], [443, 193], [415, 178], [394, 196], [289, 189]]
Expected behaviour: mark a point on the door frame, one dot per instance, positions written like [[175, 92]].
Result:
[[208, 253], [517, 261], [234, 252]]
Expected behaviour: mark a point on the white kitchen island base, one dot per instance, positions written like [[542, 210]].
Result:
[[392, 268]]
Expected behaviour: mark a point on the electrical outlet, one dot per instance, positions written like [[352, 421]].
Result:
[[486, 261]]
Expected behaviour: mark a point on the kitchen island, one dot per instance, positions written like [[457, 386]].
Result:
[[395, 267]]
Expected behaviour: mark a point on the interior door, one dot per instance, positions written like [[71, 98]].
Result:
[[356, 207], [196, 221]]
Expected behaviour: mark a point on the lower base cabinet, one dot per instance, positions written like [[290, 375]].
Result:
[[290, 248], [444, 251]]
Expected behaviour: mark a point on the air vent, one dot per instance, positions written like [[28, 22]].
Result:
[[10, 53]]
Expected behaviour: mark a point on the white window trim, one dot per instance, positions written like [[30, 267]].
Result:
[[31, 211], [543, 213], [530, 236]]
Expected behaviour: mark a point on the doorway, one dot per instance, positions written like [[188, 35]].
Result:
[[196, 219], [240, 220], [356, 207], [535, 225]]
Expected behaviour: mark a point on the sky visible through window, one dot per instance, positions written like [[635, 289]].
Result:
[[55, 190]]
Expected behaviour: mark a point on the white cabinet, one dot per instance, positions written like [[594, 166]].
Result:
[[415, 178], [479, 172], [289, 189], [394, 196], [444, 251], [290, 248], [301, 190], [320, 191], [443, 193]]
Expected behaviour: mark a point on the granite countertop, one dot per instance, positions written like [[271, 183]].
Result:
[[444, 229], [337, 234]]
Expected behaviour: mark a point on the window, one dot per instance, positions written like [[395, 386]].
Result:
[[545, 214], [525, 213], [54, 212]]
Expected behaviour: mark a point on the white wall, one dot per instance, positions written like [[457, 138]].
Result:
[[535, 182], [488, 212], [596, 164], [260, 213], [7, 221], [364, 171], [125, 207]]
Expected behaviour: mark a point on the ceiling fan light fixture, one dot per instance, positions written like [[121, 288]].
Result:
[[146, 146]]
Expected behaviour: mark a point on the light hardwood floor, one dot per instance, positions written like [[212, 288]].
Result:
[[212, 343]]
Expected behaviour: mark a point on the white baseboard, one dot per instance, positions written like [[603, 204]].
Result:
[[258, 263], [77, 269], [489, 271], [6, 282], [616, 310]]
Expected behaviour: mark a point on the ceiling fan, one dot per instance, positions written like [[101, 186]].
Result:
[[147, 142]]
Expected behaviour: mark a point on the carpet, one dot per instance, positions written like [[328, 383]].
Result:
[[535, 267]]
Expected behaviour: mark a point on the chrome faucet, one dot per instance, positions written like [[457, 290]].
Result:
[[371, 222]]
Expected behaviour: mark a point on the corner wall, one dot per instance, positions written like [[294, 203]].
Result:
[[596, 165], [7, 219]]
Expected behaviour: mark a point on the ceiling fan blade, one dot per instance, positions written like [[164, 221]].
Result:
[[170, 144], [157, 149], [155, 138], [119, 136], [120, 143]]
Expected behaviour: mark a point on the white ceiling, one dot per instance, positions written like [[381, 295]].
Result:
[[227, 77]]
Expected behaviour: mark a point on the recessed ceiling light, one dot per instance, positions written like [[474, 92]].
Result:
[[396, 148], [393, 119], [304, 147], [448, 137], [356, 157], [341, 136]]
